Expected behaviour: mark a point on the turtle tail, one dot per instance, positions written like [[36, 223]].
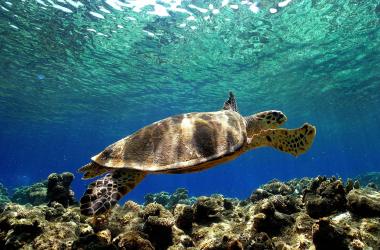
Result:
[[104, 193]]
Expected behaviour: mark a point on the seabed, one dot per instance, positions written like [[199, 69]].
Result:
[[307, 213]]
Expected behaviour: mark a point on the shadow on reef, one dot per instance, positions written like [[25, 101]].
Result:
[[310, 213]]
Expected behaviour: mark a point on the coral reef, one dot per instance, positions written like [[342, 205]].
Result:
[[371, 179], [158, 225], [275, 187], [180, 196], [364, 202], [3, 196], [285, 218], [274, 214], [55, 189], [184, 217], [58, 189], [208, 209], [34, 194], [328, 236], [324, 197]]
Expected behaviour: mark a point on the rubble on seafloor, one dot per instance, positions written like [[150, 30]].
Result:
[[310, 213]]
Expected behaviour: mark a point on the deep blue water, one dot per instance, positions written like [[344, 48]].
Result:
[[67, 91]]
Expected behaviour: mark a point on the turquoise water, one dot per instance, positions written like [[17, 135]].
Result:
[[75, 76]]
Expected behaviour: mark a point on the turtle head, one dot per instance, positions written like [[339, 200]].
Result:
[[264, 120]]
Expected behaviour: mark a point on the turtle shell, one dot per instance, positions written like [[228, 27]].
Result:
[[178, 143]]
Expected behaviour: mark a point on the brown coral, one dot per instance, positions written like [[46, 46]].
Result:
[[364, 202], [267, 219], [158, 223], [328, 236], [131, 241], [184, 217], [208, 209], [325, 197]]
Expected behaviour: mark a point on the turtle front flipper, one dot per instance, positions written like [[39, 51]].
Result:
[[92, 170], [293, 141], [104, 193], [231, 104]]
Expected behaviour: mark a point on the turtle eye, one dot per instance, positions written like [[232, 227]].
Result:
[[277, 114], [280, 117]]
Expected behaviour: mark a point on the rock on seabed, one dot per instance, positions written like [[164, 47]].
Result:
[[364, 202], [278, 215]]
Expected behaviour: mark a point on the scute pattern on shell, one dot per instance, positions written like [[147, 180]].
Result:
[[177, 142]]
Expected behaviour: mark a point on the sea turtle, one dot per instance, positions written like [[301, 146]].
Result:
[[182, 144]]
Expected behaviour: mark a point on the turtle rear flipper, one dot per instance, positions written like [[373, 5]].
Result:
[[104, 193], [293, 141]]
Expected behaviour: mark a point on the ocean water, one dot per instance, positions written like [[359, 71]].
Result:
[[75, 76]]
